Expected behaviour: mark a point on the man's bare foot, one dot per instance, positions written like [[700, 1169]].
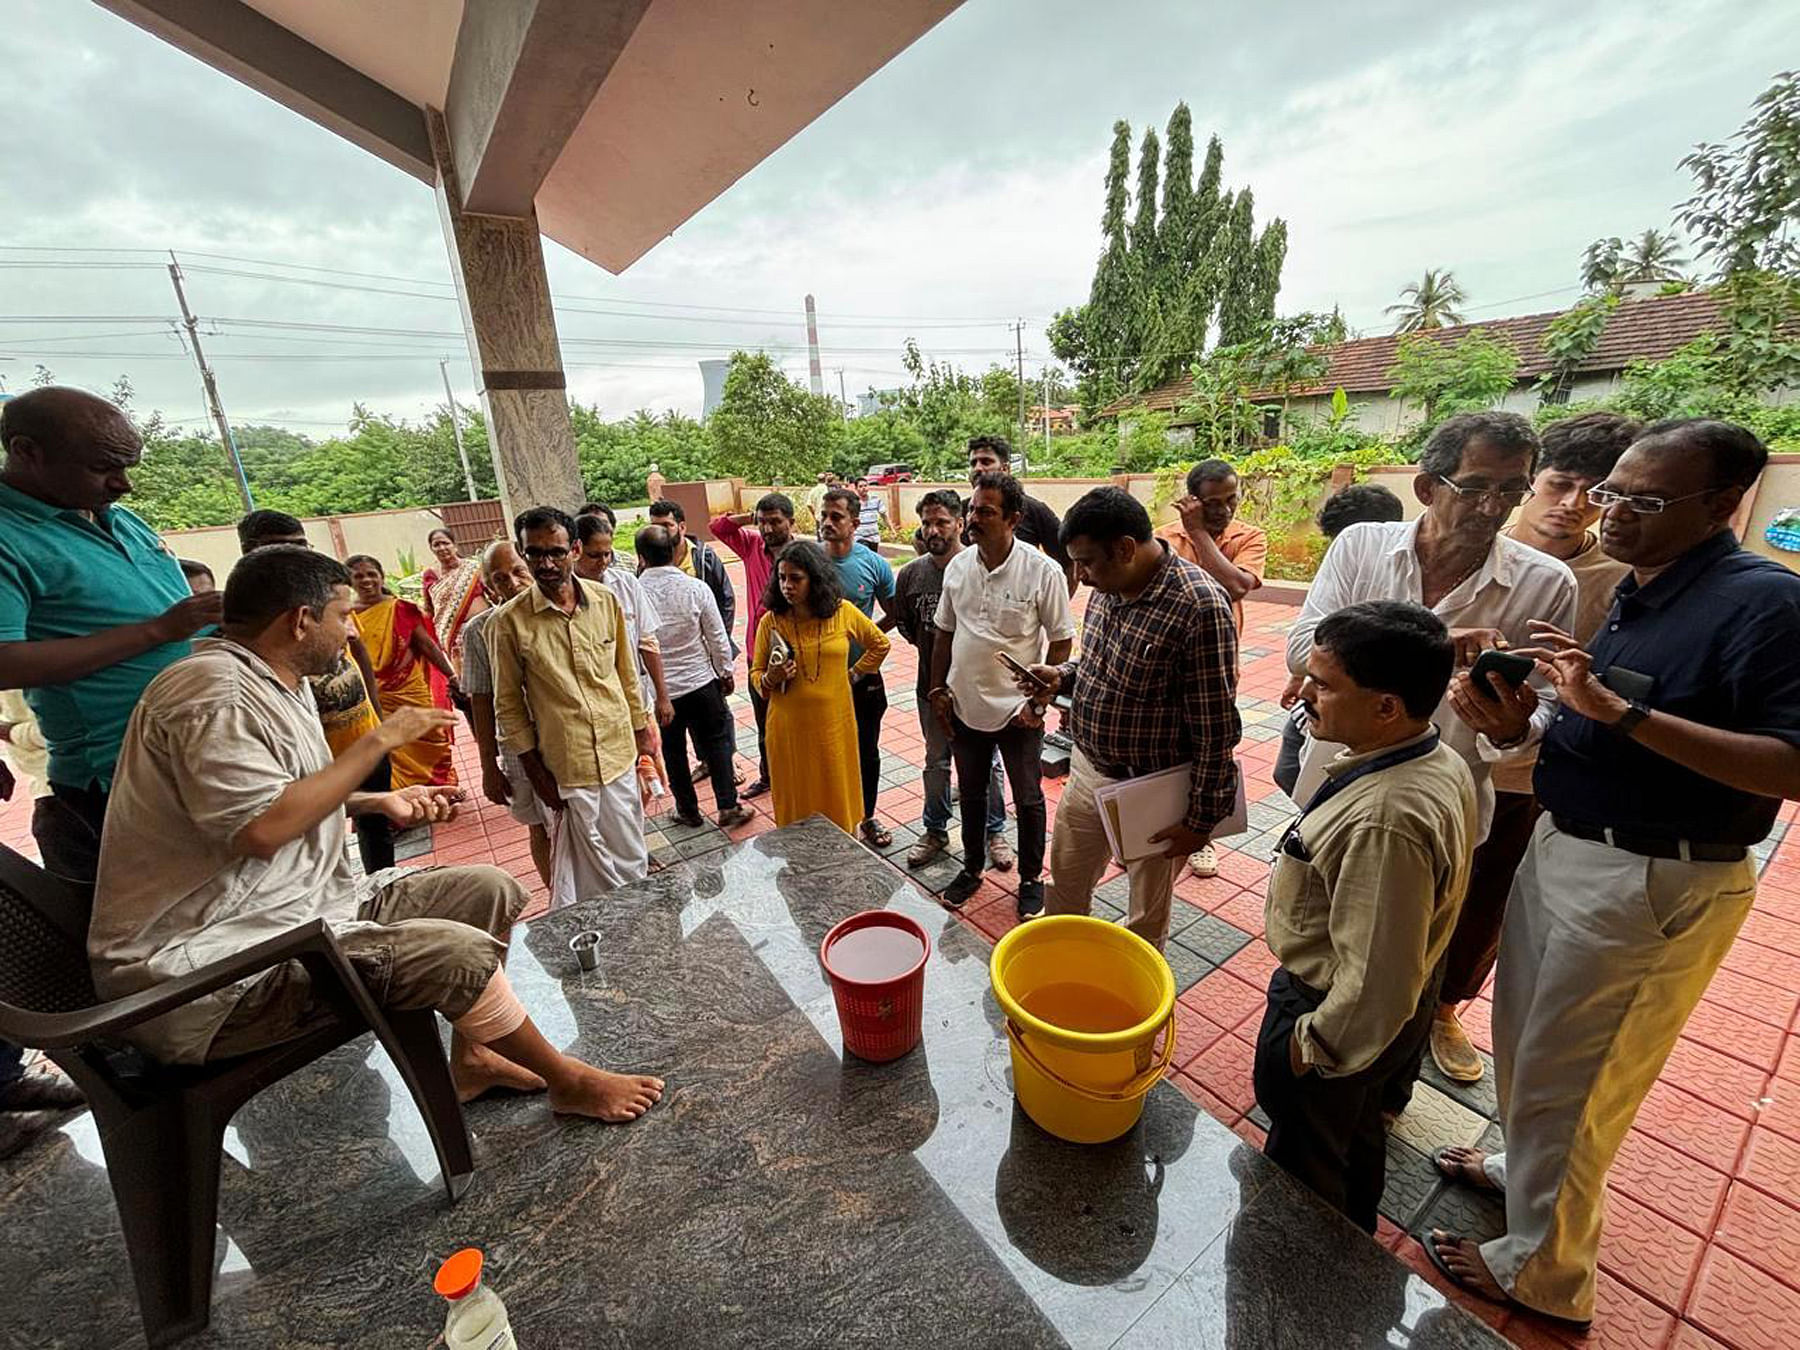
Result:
[[1466, 1167], [1460, 1259], [476, 1070], [608, 1096]]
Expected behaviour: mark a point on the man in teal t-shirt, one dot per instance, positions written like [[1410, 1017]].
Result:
[[868, 580], [92, 605]]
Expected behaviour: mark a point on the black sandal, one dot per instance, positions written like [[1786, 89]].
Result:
[[877, 834]]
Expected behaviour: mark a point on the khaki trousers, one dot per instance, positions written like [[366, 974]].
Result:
[[1079, 857], [429, 939], [1603, 956]]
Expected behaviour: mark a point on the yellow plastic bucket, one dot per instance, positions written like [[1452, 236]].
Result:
[[1084, 1001]]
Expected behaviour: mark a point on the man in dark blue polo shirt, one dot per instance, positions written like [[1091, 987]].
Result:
[[1676, 740]]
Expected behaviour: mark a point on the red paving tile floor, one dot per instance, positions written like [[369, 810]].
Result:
[[1701, 1247]]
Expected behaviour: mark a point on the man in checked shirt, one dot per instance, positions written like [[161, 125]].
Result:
[[1156, 686]]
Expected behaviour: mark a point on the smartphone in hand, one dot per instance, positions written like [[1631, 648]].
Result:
[[1023, 672], [1510, 666]]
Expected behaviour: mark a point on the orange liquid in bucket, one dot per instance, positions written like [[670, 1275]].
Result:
[[874, 954], [1081, 1007]]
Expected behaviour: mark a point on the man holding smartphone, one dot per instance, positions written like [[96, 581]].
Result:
[[1675, 741], [1000, 599]]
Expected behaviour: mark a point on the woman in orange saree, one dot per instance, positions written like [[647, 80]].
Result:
[[410, 668], [453, 593]]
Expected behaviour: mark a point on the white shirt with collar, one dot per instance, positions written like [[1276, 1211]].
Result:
[[695, 649], [1019, 607], [1514, 584]]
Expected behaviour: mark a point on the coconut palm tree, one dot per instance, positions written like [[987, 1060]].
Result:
[[1430, 302], [1655, 255]]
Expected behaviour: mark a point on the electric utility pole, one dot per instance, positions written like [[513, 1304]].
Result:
[[456, 428], [1024, 430], [211, 386], [843, 398]]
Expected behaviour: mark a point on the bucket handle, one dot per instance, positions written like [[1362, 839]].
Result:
[[1137, 1087]]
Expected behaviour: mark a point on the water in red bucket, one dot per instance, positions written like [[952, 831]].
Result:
[[876, 964]]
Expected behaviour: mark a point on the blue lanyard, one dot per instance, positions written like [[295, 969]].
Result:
[[1332, 786]]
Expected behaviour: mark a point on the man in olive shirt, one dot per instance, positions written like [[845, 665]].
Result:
[[1365, 892], [566, 690]]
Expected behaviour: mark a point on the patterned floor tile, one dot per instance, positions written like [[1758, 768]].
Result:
[[1669, 1181], [1734, 1033], [1480, 1096], [1225, 999], [1743, 1306], [1763, 1231], [1690, 1337], [1730, 1083], [1767, 930], [1433, 1121], [1694, 1126], [1754, 997], [1772, 1163], [1645, 1250], [1224, 1070], [1462, 1210], [1188, 966], [1412, 1184], [1214, 938], [1764, 963]]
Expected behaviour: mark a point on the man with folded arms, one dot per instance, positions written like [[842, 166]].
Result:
[[1000, 597], [226, 828], [1367, 884], [1676, 739], [1155, 688], [757, 548]]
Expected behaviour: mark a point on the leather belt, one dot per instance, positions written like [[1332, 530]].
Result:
[[1650, 845]]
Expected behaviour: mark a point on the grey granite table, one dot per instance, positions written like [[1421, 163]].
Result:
[[781, 1195]]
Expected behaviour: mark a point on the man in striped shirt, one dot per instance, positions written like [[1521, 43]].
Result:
[[1156, 687]]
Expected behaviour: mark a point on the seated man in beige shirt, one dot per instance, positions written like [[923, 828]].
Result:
[[1364, 896], [226, 828]]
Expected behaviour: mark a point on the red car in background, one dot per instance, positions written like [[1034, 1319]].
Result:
[[882, 474]]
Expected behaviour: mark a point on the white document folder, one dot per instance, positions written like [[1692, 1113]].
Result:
[[1137, 808]]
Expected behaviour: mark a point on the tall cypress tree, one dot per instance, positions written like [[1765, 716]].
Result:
[[1176, 229], [1108, 322], [1271, 253], [1145, 252], [1234, 251]]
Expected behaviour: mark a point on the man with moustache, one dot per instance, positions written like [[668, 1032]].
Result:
[[566, 689], [1675, 740], [757, 549]]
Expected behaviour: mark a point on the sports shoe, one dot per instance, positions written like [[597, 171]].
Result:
[[1452, 1049], [1204, 862], [930, 845], [957, 893], [1031, 898], [756, 789], [1000, 854], [687, 821], [735, 816]]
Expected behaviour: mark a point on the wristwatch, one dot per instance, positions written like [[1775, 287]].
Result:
[[1635, 712]]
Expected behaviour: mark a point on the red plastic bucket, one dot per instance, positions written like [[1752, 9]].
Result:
[[876, 964]]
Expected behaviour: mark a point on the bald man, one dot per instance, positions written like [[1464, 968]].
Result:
[[92, 607]]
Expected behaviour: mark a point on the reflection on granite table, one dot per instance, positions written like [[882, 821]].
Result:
[[779, 1196]]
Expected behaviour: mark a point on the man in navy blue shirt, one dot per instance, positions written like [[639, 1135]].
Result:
[[1676, 740], [868, 580]]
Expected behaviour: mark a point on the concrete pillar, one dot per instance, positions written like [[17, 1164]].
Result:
[[505, 296]]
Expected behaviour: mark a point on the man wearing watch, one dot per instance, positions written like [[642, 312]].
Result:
[[1676, 739], [1000, 598]]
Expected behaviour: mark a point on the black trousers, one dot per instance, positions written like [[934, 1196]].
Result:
[[375, 834], [1327, 1132], [67, 827], [869, 698], [704, 717], [1022, 752], [760, 706]]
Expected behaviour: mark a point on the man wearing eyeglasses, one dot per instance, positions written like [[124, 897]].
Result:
[[1487, 588], [566, 689], [1676, 740]]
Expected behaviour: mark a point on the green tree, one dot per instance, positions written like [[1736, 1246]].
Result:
[[1175, 231], [1570, 339], [1610, 264], [1234, 263], [1433, 301], [1108, 325], [767, 429], [1442, 378], [1745, 209], [1146, 252]]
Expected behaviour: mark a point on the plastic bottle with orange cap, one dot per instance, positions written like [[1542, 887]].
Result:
[[477, 1318]]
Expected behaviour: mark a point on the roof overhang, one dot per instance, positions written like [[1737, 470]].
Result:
[[617, 120]]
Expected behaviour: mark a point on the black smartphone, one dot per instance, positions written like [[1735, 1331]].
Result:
[[1510, 666], [1023, 672]]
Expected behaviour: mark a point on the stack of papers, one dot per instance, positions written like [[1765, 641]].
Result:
[[1137, 808]]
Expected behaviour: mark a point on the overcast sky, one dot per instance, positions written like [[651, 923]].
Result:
[[959, 187]]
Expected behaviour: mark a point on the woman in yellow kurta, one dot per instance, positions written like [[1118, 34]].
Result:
[[811, 730], [405, 654]]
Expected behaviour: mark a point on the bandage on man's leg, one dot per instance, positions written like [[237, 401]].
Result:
[[496, 1012]]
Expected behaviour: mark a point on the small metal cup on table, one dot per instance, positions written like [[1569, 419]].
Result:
[[586, 946]]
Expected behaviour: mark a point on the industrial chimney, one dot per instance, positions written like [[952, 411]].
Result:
[[712, 383], [812, 348]]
